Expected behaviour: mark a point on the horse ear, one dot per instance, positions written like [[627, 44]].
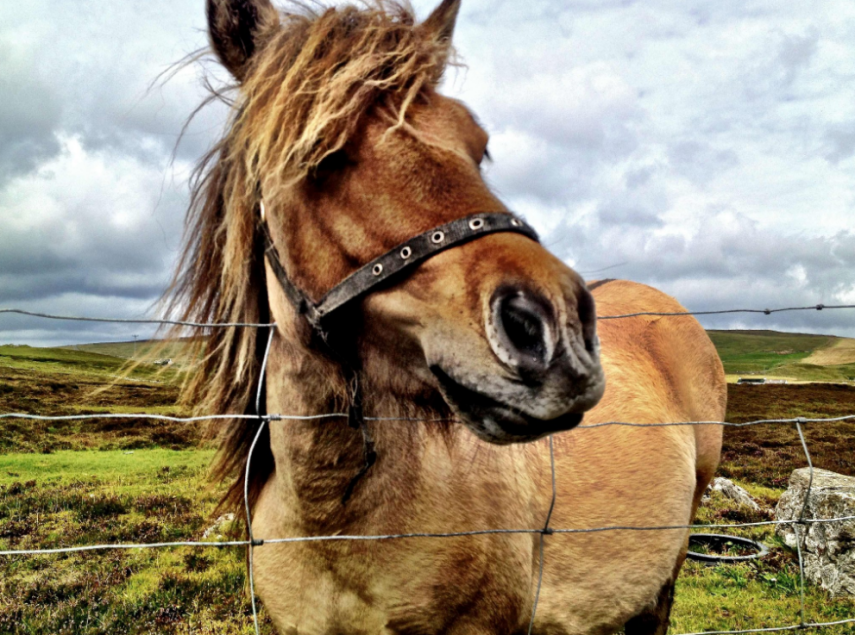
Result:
[[441, 22], [238, 28]]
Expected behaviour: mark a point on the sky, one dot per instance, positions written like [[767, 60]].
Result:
[[703, 147]]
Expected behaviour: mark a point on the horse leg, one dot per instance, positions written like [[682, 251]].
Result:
[[655, 620]]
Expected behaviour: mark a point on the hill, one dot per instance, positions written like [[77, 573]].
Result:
[[141, 350], [62, 381], [792, 356]]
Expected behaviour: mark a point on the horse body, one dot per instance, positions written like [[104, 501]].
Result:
[[432, 482], [473, 358]]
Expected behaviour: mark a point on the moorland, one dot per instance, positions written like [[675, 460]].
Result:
[[131, 480]]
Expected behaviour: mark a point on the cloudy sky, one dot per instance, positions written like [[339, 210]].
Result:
[[705, 147]]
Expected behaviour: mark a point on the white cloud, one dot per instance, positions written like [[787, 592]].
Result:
[[706, 147]]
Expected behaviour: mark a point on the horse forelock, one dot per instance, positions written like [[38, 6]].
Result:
[[302, 99], [310, 85]]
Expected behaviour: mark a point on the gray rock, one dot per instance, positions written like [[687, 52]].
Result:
[[732, 491], [828, 549], [216, 530]]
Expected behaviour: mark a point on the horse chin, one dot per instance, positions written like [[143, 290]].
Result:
[[497, 423]]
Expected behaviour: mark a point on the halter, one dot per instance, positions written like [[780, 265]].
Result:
[[393, 264], [405, 257]]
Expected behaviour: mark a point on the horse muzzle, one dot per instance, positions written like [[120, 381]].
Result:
[[543, 372]]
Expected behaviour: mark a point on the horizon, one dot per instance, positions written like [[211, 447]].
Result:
[[188, 337]]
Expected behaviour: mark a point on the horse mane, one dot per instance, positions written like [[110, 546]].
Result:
[[302, 99]]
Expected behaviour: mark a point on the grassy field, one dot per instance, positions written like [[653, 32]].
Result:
[[143, 349], [128, 480], [86, 498], [69, 382], [793, 356]]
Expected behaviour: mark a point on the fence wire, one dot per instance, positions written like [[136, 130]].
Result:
[[800, 525]]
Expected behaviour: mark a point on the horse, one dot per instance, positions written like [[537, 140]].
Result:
[[454, 384]]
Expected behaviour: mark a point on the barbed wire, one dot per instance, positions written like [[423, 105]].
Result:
[[264, 420], [815, 307], [261, 325], [415, 535], [340, 415], [162, 322]]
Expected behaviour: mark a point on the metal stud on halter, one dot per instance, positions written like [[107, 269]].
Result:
[[402, 258]]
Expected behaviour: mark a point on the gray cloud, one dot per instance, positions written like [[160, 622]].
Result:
[[705, 149], [29, 116]]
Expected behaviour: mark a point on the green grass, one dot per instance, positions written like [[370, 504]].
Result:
[[66, 361], [143, 349], [131, 480], [777, 354], [123, 468], [732, 344], [86, 498], [754, 594], [67, 382]]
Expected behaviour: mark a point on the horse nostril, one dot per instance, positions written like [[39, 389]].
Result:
[[522, 324], [587, 311]]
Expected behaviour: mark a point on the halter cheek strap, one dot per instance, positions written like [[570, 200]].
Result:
[[406, 256]]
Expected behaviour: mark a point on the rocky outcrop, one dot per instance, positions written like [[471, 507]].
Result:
[[732, 491], [828, 548]]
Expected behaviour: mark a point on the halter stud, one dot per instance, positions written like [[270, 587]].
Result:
[[404, 257]]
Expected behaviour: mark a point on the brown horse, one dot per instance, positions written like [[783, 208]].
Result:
[[339, 131]]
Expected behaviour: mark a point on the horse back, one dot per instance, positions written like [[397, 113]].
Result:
[[659, 369]]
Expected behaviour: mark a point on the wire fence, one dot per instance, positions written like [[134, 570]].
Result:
[[800, 525]]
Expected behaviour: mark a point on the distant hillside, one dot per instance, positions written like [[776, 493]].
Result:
[[68, 361], [143, 349], [795, 356]]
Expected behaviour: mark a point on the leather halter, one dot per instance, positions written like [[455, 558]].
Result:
[[405, 257]]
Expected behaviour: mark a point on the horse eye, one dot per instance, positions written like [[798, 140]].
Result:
[[486, 157], [331, 164]]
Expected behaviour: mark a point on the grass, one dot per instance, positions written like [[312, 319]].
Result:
[[75, 363], [86, 498], [753, 594], [784, 355], [143, 349], [130, 480], [766, 454], [68, 382]]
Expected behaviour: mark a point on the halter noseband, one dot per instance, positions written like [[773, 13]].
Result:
[[406, 256]]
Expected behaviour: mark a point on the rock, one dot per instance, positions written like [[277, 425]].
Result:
[[732, 491], [828, 549], [216, 530]]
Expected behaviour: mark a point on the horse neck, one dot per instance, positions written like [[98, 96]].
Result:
[[317, 460]]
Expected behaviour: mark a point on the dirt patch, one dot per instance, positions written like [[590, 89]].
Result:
[[44, 393], [839, 352], [766, 454]]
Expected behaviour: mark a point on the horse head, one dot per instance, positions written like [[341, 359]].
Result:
[[343, 137]]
